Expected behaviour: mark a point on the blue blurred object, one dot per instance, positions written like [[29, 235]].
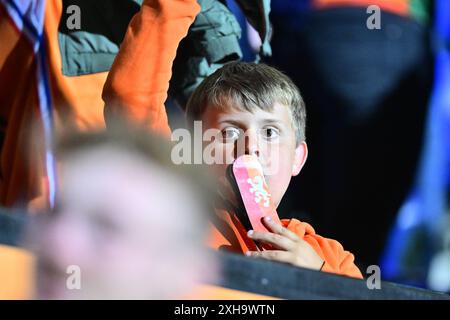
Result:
[[421, 224]]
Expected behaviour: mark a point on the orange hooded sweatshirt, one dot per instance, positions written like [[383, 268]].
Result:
[[76, 103], [136, 88]]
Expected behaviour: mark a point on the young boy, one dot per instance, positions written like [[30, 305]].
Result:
[[260, 108], [249, 103]]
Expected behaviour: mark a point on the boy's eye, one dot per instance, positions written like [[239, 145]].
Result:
[[230, 134], [271, 133]]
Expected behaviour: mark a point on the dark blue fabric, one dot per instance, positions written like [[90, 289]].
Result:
[[11, 227]]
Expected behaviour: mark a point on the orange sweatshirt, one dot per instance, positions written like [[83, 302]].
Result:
[[137, 85], [228, 233], [400, 7], [137, 89], [76, 103]]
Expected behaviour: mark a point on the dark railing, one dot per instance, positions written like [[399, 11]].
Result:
[[270, 278], [287, 282]]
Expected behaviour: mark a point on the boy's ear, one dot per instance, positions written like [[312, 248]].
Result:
[[301, 153]]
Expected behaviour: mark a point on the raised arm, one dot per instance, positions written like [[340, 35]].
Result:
[[137, 85]]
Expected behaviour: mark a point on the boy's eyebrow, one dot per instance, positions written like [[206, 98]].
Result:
[[231, 121], [263, 121], [271, 121]]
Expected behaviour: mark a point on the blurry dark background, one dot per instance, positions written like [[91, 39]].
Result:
[[374, 159]]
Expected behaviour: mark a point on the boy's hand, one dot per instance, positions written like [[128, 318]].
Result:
[[291, 249]]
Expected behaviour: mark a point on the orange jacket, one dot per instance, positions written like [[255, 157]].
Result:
[[137, 85], [137, 88], [400, 7], [228, 233], [76, 103]]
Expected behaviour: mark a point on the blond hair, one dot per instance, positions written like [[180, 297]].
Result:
[[249, 86]]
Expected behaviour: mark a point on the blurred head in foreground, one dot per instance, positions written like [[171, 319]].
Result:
[[127, 223]]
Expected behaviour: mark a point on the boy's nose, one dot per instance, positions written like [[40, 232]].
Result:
[[251, 144]]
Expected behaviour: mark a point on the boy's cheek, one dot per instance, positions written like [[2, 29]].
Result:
[[227, 192], [272, 159], [218, 170], [279, 177], [278, 185]]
